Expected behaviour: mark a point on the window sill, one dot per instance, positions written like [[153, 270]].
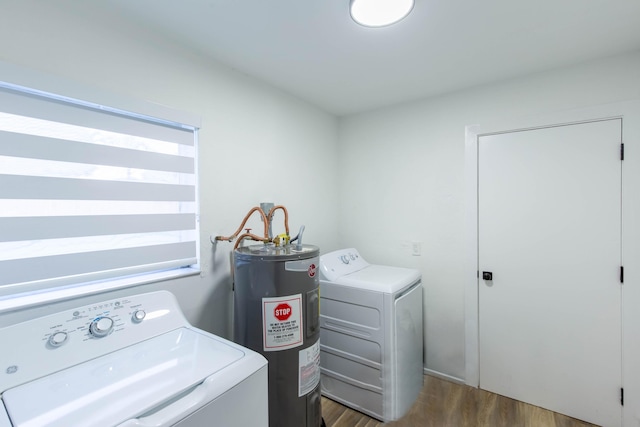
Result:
[[30, 299]]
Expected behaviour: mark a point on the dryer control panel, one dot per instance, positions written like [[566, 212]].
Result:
[[51, 343], [340, 263]]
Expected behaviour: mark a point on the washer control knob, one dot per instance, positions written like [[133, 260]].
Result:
[[58, 338], [344, 259], [101, 326], [138, 316]]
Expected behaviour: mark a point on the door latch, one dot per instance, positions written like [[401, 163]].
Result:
[[487, 275]]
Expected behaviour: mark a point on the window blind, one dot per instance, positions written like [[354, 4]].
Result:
[[89, 192]]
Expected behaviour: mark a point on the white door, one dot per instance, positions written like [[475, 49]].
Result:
[[549, 207]]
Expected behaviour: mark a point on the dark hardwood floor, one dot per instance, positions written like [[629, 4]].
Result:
[[446, 404]]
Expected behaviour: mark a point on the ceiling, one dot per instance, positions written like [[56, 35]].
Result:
[[313, 50]]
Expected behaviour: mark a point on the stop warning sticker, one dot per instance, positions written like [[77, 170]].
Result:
[[282, 322]]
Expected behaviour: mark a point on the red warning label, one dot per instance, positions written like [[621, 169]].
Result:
[[282, 322], [312, 270]]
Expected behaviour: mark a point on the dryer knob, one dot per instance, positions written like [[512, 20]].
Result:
[[101, 326]]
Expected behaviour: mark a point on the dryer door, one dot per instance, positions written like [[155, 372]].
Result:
[[4, 418], [408, 347]]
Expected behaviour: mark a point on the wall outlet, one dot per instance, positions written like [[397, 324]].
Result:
[[416, 248]]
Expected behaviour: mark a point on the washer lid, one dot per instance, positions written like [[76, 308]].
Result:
[[381, 278], [121, 385]]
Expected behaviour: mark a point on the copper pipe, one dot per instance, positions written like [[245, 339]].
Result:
[[252, 236], [244, 222], [286, 216]]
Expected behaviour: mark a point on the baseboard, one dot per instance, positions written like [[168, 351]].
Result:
[[442, 376]]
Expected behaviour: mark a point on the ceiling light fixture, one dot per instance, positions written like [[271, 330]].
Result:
[[379, 13]]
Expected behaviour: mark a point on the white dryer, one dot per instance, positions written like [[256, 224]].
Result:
[[371, 339], [128, 362]]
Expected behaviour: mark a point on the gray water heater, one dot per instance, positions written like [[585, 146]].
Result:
[[276, 313]]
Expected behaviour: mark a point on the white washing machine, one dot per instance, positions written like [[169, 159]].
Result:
[[371, 340], [128, 362]]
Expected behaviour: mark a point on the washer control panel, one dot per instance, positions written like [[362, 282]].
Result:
[[51, 343], [96, 321]]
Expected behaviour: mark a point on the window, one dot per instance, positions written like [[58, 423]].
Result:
[[89, 192]]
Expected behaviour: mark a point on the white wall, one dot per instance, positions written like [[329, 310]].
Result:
[[256, 143], [402, 174]]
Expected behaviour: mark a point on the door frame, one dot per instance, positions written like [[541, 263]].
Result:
[[629, 111]]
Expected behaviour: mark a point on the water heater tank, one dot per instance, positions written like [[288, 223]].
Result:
[[276, 313]]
